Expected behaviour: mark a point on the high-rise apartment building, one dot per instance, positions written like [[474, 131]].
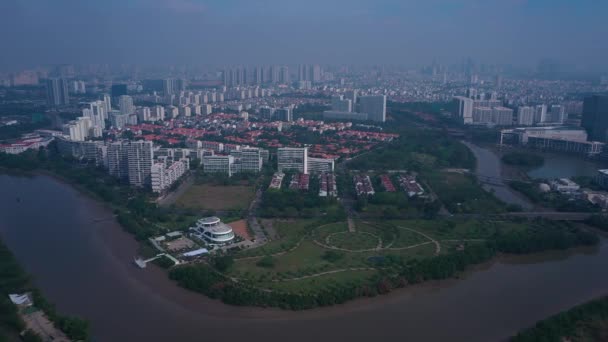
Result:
[[374, 106], [125, 103], [525, 116], [57, 92], [140, 156], [464, 108]]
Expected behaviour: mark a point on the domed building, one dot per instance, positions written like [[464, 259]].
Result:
[[214, 231]]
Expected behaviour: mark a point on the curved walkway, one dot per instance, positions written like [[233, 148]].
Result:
[[437, 244]]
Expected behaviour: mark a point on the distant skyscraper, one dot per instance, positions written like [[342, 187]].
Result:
[[595, 117], [57, 92], [125, 103], [284, 75], [374, 106], [168, 86], [316, 73], [498, 81]]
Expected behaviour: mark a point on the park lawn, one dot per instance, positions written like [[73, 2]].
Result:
[[354, 240], [212, 197], [407, 238], [460, 228], [289, 232], [323, 282], [462, 194]]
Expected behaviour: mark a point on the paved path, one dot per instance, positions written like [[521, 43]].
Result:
[[326, 273], [437, 244], [351, 225]]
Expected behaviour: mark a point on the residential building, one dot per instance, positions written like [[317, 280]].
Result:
[[140, 156], [525, 116], [125, 103], [57, 92], [464, 109]]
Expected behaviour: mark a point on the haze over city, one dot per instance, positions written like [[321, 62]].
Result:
[[170, 32], [319, 170]]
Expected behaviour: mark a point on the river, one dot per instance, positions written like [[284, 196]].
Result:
[[564, 165], [85, 267], [489, 166]]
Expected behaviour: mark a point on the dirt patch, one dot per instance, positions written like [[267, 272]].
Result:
[[240, 228]]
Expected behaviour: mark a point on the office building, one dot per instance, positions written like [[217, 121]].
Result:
[[57, 92], [320, 165], [218, 164], [595, 117], [249, 160], [292, 159], [140, 155], [374, 106], [549, 138]]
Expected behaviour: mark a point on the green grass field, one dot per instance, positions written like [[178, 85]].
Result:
[[210, 197]]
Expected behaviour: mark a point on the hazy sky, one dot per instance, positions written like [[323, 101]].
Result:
[[304, 31]]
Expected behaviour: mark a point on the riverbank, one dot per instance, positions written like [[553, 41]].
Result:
[[135, 305]]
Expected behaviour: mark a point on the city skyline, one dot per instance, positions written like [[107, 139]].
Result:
[[364, 32]]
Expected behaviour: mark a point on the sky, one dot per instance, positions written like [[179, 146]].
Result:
[[217, 32]]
